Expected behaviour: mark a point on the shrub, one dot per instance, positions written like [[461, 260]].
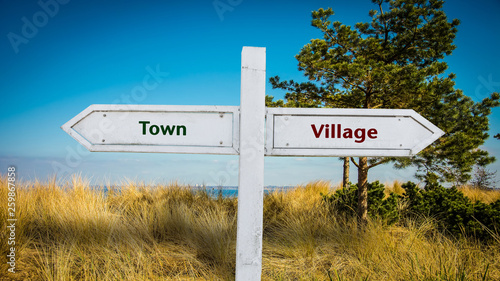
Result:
[[344, 202], [454, 213]]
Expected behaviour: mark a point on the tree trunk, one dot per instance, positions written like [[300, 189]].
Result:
[[363, 190], [345, 178]]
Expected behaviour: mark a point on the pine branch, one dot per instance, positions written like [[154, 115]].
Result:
[[354, 85], [383, 161], [354, 162], [386, 30], [405, 48]]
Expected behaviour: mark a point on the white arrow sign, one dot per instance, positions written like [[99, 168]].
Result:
[[157, 128], [215, 130], [347, 132]]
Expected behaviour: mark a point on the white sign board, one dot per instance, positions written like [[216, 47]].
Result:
[[157, 128], [347, 132]]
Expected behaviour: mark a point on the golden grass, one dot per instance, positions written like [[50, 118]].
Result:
[[394, 187], [476, 194], [72, 232]]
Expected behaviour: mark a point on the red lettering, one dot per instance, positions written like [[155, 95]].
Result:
[[332, 131], [316, 133], [372, 133], [359, 137], [347, 133]]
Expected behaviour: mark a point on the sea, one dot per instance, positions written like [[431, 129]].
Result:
[[214, 191]]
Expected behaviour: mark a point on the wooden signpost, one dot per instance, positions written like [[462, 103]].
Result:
[[252, 131]]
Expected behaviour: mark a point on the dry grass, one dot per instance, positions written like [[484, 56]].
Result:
[[394, 187], [476, 194], [72, 232]]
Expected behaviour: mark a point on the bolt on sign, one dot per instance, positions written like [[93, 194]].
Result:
[[252, 131]]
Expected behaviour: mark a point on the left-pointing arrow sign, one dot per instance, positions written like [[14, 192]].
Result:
[[157, 128]]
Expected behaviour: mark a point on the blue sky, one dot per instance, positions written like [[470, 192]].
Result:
[[57, 58]]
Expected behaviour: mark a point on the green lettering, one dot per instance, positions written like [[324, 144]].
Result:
[[167, 129], [154, 130], [179, 130], [144, 126]]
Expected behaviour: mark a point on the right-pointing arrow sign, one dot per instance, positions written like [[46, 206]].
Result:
[[347, 132]]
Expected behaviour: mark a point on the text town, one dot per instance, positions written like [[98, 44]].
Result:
[[164, 129]]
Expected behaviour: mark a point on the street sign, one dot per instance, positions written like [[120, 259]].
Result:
[[347, 132], [157, 128], [252, 131]]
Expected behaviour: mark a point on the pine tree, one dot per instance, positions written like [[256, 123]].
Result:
[[395, 61]]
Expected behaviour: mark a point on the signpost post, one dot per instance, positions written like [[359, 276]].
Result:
[[252, 132], [251, 174]]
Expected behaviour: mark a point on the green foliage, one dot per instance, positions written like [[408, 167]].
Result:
[[271, 103], [396, 61], [454, 213], [344, 201], [454, 155]]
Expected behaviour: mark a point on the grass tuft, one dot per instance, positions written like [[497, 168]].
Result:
[[170, 232], [484, 195]]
